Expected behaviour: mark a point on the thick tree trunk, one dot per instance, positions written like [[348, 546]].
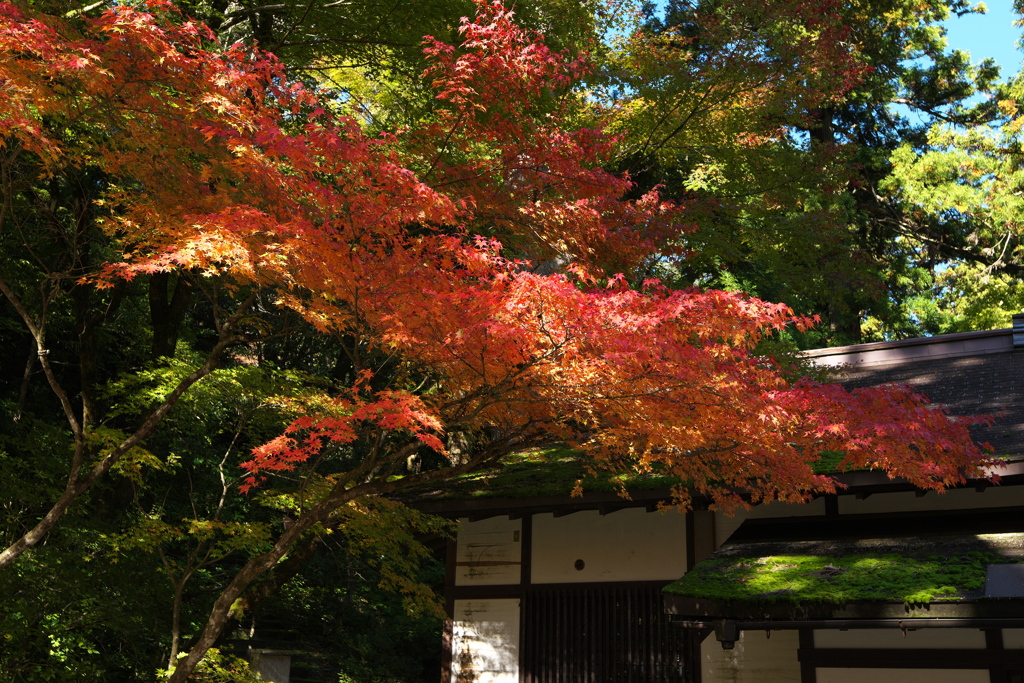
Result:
[[284, 572], [167, 315]]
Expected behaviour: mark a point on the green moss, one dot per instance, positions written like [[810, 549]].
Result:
[[838, 580], [546, 472], [829, 462]]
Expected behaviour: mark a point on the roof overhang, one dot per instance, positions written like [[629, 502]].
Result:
[[946, 569], [861, 484], [604, 502]]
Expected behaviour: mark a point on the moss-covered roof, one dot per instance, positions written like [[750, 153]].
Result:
[[913, 568], [839, 579], [554, 471], [537, 472]]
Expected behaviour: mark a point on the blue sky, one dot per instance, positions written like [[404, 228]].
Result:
[[990, 35]]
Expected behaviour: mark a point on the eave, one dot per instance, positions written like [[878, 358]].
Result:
[[802, 615]]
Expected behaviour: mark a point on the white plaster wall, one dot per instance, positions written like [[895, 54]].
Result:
[[754, 659], [759, 659], [485, 641], [1013, 638], [274, 668], [488, 552], [893, 638], [956, 499], [904, 501], [903, 675], [628, 545], [725, 524], [814, 508]]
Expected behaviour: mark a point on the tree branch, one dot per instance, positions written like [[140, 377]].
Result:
[[75, 486]]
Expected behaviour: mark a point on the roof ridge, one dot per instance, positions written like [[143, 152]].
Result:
[[916, 341], [921, 348]]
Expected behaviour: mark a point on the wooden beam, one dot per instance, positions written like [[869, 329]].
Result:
[[485, 515], [911, 658], [525, 576], [526, 551]]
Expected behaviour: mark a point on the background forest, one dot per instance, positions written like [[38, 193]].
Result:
[[202, 431]]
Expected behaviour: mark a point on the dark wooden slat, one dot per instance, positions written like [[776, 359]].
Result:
[[565, 636], [627, 641], [588, 619], [604, 635], [603, 638], [648, 670]]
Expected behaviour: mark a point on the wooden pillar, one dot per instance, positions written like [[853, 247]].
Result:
[[527, 650], [449, 609], [994, 641], [808, 669], [691, 540]]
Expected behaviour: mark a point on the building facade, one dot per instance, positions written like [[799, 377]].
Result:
[[553, 589]]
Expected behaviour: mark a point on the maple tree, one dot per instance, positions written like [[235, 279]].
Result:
[[208, 165]]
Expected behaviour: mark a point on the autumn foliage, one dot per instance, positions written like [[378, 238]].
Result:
[[220, 164], [423, 244]]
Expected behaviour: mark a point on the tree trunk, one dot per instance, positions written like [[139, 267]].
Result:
[[229, 602], [179, 590], [167, 315]]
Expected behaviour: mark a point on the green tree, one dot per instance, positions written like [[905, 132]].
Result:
[[785, 160], [963, 188]]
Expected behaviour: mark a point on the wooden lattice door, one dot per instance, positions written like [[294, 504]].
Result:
[[599, 635]]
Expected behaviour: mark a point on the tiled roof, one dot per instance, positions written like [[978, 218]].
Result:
[[975, 373]]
